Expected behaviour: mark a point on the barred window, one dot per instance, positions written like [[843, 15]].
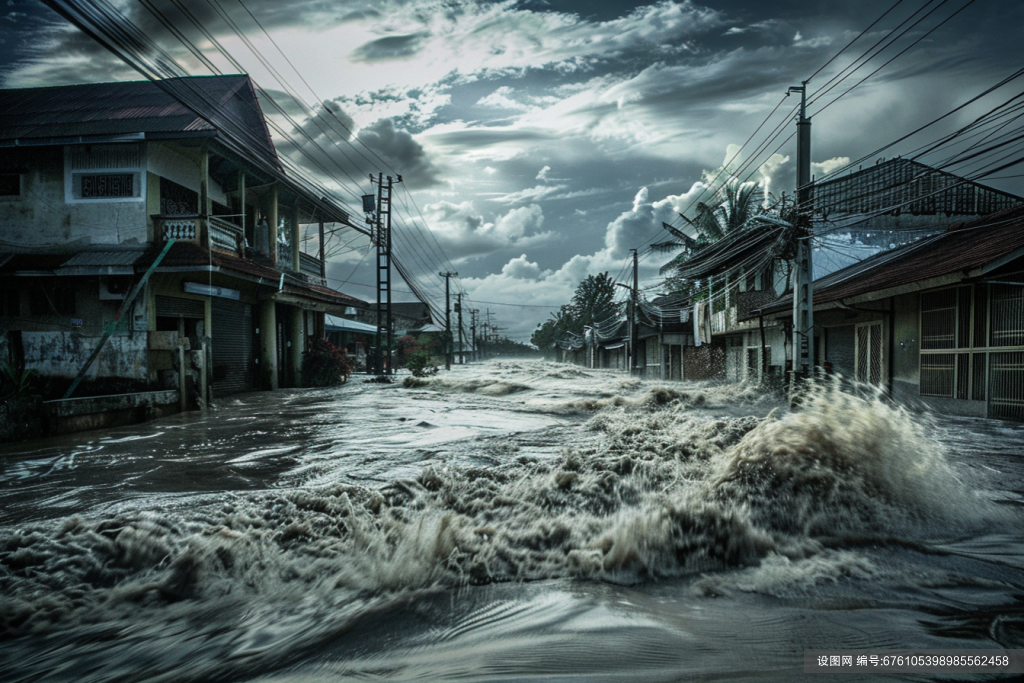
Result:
[[1007, 315], [938, 319], [938, 373], [106, 185]]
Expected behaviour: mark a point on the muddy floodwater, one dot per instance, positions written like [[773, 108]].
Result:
[[509, 521]]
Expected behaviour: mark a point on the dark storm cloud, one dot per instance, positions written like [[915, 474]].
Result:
[[404, 154], [391, 47], [83, 60]]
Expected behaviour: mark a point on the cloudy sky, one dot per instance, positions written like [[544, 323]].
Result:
[[541, 140]]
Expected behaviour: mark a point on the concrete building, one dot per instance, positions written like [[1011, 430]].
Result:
[[96, 180], [938, 322]]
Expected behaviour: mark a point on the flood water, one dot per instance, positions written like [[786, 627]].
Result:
[[508, 521]]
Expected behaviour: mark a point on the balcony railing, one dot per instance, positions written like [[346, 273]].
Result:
[[226, 236], [310, 267], [176, 227]]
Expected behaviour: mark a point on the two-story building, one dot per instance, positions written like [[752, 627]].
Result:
[[104, 187]]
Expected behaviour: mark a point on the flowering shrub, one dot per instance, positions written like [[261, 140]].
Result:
[[324, 364]]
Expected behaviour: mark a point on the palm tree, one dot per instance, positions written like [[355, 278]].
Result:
[[729, 211]]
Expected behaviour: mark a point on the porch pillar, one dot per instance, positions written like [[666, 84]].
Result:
[[296, 339], [272, 224], [268, 345], [204, 198], [295, 238]]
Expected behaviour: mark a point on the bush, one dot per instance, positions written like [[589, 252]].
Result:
[[324, 364], [419, 364]]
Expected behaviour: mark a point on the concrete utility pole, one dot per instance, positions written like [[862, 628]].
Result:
[[634, 330], [381, 236], [462, 350], [803, 268], [448, 275], [472, 332]]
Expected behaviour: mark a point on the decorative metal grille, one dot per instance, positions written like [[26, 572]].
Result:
[[979, 374], [980, 315], [869, 353], [1006, 385], [963, 375], [938, 319], [95, 157], [1007, 315], [938, 373], [105, 185], [176, 200]]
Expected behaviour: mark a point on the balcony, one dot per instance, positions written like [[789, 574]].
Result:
[[184, 227], [310, 267], [226, 236]]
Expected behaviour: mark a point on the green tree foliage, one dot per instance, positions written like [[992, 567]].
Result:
[[593, 301], [729, 210]]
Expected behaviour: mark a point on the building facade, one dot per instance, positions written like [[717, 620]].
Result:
[[113, 190]]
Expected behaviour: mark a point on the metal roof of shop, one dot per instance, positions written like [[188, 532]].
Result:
[[335, 324], [115, 262], [964, 248]]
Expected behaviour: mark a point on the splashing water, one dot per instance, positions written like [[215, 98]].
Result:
[[720, 486]]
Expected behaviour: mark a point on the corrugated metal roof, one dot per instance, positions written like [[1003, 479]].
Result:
[[963, 248], [120, 257], [121, 108], [333, 323], [224, 105]]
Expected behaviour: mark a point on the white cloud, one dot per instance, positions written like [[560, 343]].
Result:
[[532, 194], [829, 165], [463, 233], [543, 173], [501, 99]]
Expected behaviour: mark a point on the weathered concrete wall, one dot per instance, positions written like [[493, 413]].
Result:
[[181, 165], [95, 412], [62, 354], [43, 216]]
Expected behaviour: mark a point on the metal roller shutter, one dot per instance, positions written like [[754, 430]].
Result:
[[174, 307], [232, 346]]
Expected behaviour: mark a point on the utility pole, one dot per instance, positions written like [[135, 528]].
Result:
[[634, 330], [380, 234], [447, 275], [803, 270], [472, 332], [462, 349]]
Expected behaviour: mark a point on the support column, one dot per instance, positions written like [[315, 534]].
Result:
[[268, 345], [272, 224], [241, 210], [205, 207], [295, 239], [296, 339]]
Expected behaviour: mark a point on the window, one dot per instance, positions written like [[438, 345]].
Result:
[[105, 185], [1007, 315], [938, 371], [10, 184], [177, 200], [98, 173], [938, 319]]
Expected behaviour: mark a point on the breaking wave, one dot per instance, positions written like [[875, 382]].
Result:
[[653, 486]]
